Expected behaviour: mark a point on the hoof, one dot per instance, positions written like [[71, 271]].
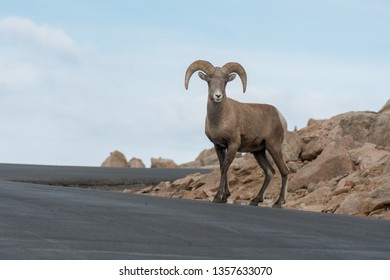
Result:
[[253, 203], [277, 205], [219, 200]]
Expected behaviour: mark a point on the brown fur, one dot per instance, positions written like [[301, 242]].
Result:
[[233, 127]]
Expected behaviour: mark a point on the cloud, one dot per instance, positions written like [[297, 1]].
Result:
[[17, 75], [33, 56], [41, 34]]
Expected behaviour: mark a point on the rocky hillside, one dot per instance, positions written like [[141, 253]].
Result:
[[340, 165]]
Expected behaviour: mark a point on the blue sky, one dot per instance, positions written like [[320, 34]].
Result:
[[79, 79]]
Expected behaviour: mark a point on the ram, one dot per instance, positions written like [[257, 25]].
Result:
[[233, 127]]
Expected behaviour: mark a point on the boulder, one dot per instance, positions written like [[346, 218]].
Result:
[[367, 127], [136, 163], [364, 203], [369, 155], [292, 146], [385, 108], [334, 161], [356, 127], [314, 138], [207, 158], [162, 163], [115, 159]]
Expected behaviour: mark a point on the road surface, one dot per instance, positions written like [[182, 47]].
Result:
[[40, 221]]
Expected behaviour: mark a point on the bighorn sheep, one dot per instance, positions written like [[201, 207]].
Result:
[[240, 127]]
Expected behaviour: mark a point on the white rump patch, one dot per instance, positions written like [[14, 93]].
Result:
[[282, 120]]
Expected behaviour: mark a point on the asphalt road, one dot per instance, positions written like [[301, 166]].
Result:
[[92, 177], [53, 222]]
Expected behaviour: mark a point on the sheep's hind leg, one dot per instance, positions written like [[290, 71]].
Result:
[[269, 173], [277, 156]]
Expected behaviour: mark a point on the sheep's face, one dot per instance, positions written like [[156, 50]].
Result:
[[217, 83]]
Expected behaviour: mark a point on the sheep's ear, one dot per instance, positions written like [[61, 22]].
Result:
[[231, 77], [203, 76]]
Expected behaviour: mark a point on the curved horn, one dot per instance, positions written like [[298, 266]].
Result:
[[202, 65], [231, 67]]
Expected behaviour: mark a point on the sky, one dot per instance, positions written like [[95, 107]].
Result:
[[80, 79]]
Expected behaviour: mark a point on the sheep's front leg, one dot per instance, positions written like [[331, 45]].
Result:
[[225, 158]]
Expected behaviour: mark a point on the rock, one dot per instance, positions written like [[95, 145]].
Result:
[[294, 166], [244, 165], [352, 204], [136, 163], [314, 138], [116, 159], [187, 182], [367, 127], [385, 108], [315, 200], [163, 189], [332, 162], [369, 156], [207, 158], [381, 130], [292, 146], [364, 203], [359, 127], [162, 163], [312, 148], [191, 164], [313, 122]]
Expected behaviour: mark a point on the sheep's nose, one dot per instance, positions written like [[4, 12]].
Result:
[[218, 95]]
